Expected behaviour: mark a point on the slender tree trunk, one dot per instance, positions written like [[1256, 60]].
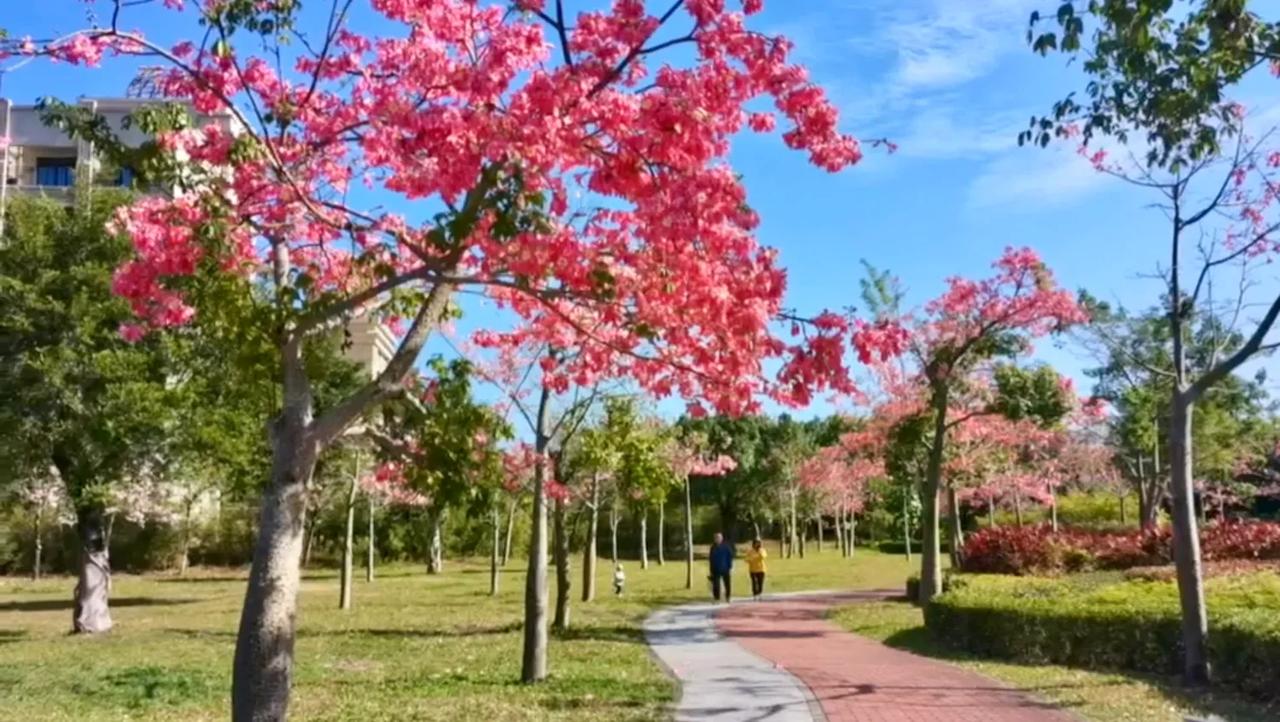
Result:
[[662, 523], [1053, 510], [688, 535], [1186, 546], [804, 536], [38, 552], [644, 538], [930, 562], [563, 582], [1124, 517], [349, 541], [791, 521], [495, 551], [614, 518], [435, 551], [589, 551], [372, 543], [851, 526], [844, 544], [533, 664], [957, 533], [511, 530], [184, 555], [1017, 507], [782, 536], [818, 521], [92, 613], [755, 527], [309, 542], [906, 520], [263, 669], [991, 511]]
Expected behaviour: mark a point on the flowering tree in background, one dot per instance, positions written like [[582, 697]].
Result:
[[45, 495], [687, 457], [961, 332]]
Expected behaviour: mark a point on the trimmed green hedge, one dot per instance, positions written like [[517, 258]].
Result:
[[897, 546], [1097, 622]]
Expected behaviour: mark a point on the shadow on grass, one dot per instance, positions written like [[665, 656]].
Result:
[[54, 605], [602, 633], [8, 636]]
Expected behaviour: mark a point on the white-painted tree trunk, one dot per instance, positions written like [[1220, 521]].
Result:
[[92, 613]]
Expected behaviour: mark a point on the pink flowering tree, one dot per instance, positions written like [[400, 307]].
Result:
[[45, 497], [562, 168], [959, 334], [688, 457], [837, 478]]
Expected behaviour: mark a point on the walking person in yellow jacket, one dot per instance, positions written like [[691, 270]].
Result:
[[755, 565]]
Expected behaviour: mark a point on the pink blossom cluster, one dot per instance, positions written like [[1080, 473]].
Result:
[[646, 259]]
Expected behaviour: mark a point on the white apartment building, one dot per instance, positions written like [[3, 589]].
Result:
[[36, 159]]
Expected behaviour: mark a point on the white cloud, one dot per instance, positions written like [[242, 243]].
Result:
[[1034, 178], [953, 130]]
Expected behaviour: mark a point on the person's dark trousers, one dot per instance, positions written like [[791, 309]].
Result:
[[757, 583], [717, 579]]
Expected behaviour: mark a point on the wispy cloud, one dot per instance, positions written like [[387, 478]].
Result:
[[1032, 179]]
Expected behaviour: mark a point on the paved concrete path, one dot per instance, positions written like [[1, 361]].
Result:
[[859, 680], [719, 679]]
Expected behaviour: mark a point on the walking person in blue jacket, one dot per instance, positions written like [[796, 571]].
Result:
[[721, 567]]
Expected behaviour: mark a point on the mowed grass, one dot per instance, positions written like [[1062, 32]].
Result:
[[1094, 696], [415, 647]]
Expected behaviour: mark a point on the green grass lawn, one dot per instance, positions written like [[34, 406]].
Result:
[[1095, 696], [414, 646]]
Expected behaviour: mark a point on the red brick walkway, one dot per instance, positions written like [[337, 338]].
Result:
[[859, 680]]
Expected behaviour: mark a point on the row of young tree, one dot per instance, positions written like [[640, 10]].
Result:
[[556, 168]]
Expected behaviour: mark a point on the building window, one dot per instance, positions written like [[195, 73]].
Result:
[[55, 171]]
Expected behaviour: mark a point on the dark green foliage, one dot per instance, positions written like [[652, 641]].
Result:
[[1095, 623], [1157, 69]]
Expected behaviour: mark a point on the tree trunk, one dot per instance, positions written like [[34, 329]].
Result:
[[613, 529], [495, 553], [1017, 507], [1186, 546], [804, 536], [851, 526], [782, 539], [563, 581], [263, 669], [533, 664], [589, 551], [991, 511], [791, 521], [688, 535], [184, 555], [38, 552], [1053, 511], [818, 521], [930, 562], [349, 541], [1124, 517], [92, 614], [511, 530], [662, 523], [435, 551], [844, 543], [371, 545], [308, 543], [906, 520], [957, 533], [644, 538]]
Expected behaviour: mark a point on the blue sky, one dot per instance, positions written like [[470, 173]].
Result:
[[951, 83]]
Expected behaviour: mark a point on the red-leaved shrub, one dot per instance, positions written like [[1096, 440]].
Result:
[[1040, 550]]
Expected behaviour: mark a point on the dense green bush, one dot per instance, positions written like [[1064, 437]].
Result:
[[897, 546], [1100, 622]]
